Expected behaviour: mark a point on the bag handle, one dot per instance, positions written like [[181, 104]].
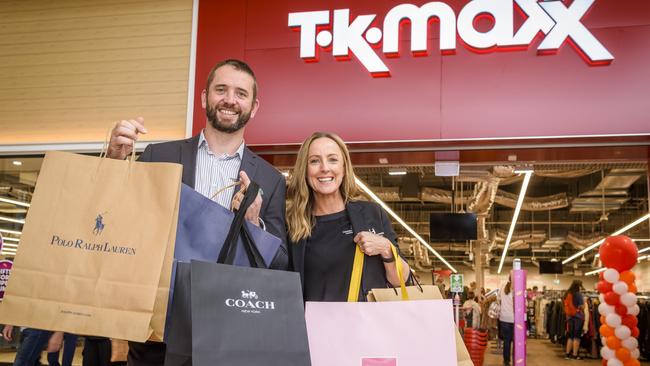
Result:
[[229, 248], [357, 269]]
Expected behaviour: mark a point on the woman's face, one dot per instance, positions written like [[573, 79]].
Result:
[[325, 167]]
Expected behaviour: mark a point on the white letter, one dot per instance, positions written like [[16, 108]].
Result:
[[419, 18], [349, 37], [307, 22], [568, 26], [537, 21], [500, 34]]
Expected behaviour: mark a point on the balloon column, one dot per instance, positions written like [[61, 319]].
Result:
[[618, 308]]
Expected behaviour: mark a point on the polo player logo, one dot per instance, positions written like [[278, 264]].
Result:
[[99, 224]]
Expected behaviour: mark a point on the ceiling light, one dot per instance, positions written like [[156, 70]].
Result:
[[596, 271], [396, 171], [10, 232], [10, 239], [9, 245], [520, 201], [399, 219], [641, 239], [9, 219], [617, 232], [17, 162], [286, 174], [14, 202]]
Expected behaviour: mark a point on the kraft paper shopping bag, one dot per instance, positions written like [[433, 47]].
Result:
[[93, 246]]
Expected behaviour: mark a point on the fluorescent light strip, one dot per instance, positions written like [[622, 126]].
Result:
[[10, 239], [398, 172], [10, 232], [641, 258], [9, 219], [14, 202], [617, 232], [9, 245], [520, 202], [399, 219], [595, 271]]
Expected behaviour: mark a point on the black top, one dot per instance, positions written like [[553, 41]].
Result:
[[329, 258]]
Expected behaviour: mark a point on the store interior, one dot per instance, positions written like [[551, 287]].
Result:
[[567, 206]]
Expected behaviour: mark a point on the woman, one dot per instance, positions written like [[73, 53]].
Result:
[[507, 320], [575, 318], [472, 311], [325, 224]]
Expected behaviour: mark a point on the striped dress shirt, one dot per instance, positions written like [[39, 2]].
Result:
[[215, 172]]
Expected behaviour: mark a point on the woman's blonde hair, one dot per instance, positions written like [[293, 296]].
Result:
[[300, 198]]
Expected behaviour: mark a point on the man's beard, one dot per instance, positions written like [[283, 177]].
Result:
[[211, 114]]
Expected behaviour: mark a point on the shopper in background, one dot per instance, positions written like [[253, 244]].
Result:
[[507, 320], [326, 224], [472, 311], [575, 316]]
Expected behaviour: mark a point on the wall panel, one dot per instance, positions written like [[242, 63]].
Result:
[[69, 69]]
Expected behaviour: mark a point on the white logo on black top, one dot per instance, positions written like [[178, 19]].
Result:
[[249, 303]]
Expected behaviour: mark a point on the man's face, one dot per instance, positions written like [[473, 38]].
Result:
[[229, 102]]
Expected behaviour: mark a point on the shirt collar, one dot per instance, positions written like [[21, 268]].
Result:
[[204, 143]]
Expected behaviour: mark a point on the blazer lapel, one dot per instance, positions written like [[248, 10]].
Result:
[[188, 159], [248, 165]]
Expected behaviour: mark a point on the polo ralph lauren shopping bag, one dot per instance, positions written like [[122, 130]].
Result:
[[93, 246]]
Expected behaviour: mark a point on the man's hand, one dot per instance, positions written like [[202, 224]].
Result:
[[373, 244], [55, 342], [123, 137], [253, 212], [6, 332]]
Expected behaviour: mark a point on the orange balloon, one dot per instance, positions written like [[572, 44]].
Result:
[[613, 342], [631, 287], [627, 277], [602, 319], [606, 330], [623, 354]]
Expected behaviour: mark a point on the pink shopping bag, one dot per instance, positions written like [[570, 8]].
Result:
[[406, 333]]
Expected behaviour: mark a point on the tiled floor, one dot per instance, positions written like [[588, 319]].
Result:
[[539, 353]]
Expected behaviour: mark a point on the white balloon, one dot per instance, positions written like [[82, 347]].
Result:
[[611, 275], [607, 352], [620, 287], [633, 310], [603, 340], [630, 343], [628, 299], [622, 332], [635, 353], [605, 309], [614, 362], [613, 320]]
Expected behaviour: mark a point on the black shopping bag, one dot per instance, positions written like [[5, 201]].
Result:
[[247, 317]]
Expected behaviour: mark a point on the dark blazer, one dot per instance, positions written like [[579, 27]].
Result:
[[364, 216], [258, 170]]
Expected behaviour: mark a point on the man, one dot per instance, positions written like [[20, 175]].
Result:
[[215, 159]]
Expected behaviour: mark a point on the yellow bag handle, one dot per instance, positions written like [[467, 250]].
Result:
[[357, 269]]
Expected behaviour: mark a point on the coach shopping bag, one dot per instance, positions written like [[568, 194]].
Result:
[[93, 246], [198, 237], [405, 333], [422, 292], [247, 317]]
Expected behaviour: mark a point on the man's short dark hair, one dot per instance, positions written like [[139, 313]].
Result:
[[237, 65]]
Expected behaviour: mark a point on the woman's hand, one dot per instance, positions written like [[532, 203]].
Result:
[[373, 244]]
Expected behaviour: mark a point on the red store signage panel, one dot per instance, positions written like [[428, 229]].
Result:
[[470, 69]]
